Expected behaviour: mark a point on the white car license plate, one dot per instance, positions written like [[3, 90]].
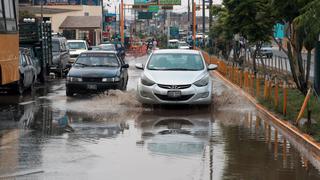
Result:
[[92, 87], [174, 94]]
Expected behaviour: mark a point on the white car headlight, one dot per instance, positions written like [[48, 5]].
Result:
[[74, 79], [202, 82], [146, 81], [114, 79]]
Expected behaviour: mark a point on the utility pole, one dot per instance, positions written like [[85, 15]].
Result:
[[168, 30], [203, 21], [135, 22], [188, 10], [317, 68], [194, 18], [210, 14], [103, 19], [122, 22]]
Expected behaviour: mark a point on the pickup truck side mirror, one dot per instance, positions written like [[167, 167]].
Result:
[[89, 48], [125, 66], [68, 66]]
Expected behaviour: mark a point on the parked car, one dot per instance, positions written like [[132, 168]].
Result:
[[76, 47], [183, 45], [97, 71], [61, 56], [116, 46], [27, 70], [173, 44], [175, 77], [95, 48], [266, 50]]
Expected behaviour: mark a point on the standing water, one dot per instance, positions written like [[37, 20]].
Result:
[[110, 136]]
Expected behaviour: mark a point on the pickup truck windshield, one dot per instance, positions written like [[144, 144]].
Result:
[[77, 45]]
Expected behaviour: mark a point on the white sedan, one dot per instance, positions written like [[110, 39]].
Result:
[[175, 77]]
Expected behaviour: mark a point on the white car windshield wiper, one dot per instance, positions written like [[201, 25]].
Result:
[[180, 69], [82, 64], [106, 65]]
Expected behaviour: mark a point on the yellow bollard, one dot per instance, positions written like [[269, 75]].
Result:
[[240, 79], [276, 95], [258, 86], [268, 88], [252, 83], [304, 105], [245, 80], [249, 82], [265, 88], [285, 94]]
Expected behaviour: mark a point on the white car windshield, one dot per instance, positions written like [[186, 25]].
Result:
[[97, 59], [176, 61], [77, 45], [183, 44]]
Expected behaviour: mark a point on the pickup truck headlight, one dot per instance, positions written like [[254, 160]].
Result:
[[202, 82], [114, 79], [74, 79], [146, 81]]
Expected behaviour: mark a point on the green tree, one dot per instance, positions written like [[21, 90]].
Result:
[[303, 27], [250, 19], [220, 32]]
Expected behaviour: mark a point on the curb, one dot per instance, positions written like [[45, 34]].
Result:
[[300, 136]]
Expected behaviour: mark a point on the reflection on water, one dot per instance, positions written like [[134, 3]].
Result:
[[255, 147], [179, 143], [174, 134]]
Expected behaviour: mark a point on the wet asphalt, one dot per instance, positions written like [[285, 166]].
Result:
[[45, 135]]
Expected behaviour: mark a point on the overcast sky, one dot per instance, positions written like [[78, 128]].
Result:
[[182, 8]]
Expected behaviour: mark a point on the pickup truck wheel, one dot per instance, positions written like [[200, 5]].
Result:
[[69, 93], [19, 87], [42, 75], [123, 86]]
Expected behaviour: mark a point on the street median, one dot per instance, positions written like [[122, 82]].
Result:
[[273, 98]]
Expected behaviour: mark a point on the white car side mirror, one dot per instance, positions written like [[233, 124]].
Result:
[[140, 66], [212, 67]]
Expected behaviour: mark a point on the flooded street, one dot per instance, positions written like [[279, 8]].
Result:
[[111, 136]]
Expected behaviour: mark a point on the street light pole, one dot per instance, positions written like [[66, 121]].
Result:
[[203, 21], [41, 10], [210, 14], [194, 17], [122, 22], [115, 23], [188, 10], [317, 68]]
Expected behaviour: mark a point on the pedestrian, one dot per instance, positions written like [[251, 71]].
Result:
[[88, 41], [154, 44]]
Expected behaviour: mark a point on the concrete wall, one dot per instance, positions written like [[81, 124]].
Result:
[[57, 19]]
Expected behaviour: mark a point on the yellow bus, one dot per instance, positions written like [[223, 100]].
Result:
[[9, 42]]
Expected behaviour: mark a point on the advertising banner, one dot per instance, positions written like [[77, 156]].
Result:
[[144, 15], [169, 2], [157, 2], [145, 2]]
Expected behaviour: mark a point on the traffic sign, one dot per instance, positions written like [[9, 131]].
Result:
[[144, 15], [153, 9], [138, 2], [279, 31], [169, 2], [174, 32]]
